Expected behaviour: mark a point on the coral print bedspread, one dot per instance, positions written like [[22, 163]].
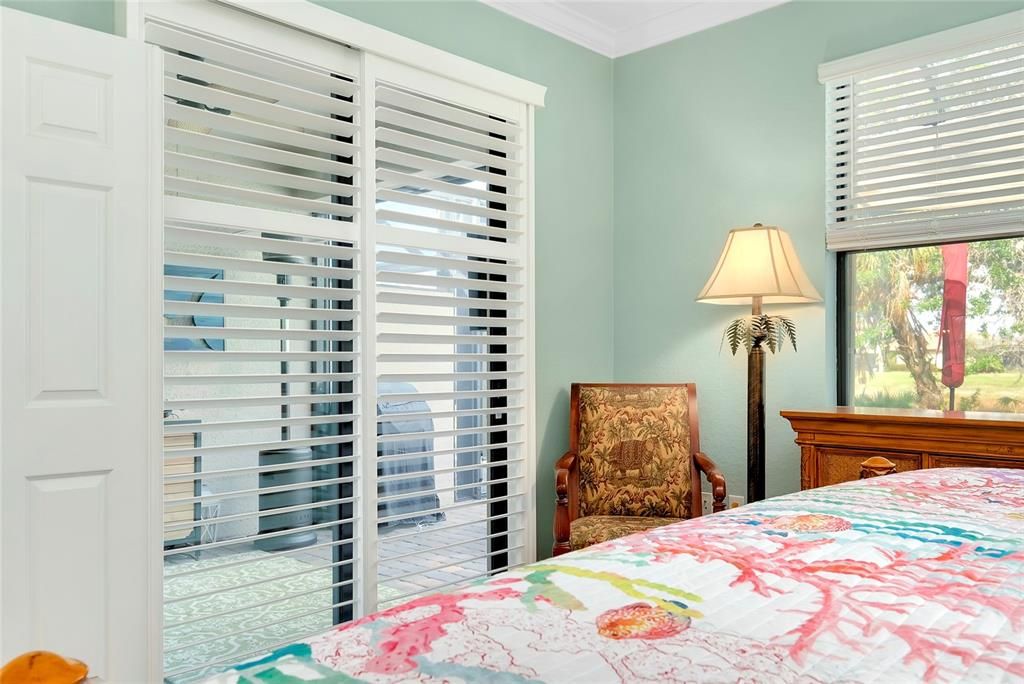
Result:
[[911, 577]]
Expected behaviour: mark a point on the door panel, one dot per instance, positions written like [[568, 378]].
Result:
[[78, 417]]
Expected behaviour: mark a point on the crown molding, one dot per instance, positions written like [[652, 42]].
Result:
[[562, 19]]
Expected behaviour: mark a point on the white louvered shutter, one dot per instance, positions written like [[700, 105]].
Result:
[[261, 339], [929, 149], [451, 337]]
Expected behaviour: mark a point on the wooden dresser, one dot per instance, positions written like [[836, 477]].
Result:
[[835, 443]]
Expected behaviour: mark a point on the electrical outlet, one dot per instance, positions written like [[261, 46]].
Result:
[[735, 501], [706, 503]]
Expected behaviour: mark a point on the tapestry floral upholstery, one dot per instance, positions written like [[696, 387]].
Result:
[[634, 452], [594, 529]]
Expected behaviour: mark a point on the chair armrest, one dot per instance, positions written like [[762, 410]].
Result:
[[563, 509], [715, 477]]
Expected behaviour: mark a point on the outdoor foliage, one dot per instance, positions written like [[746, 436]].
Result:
[[985, 363], [885, 399], [897, 300]]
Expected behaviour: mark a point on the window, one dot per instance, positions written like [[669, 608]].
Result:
[[925, 203], [907, 346], [346, 333]]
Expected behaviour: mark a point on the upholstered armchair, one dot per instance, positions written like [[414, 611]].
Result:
[[634, 463]]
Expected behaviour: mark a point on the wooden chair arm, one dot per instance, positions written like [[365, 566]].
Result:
[[715, 477], [563, 513]]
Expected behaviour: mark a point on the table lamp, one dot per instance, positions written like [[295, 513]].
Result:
[[758, 266]]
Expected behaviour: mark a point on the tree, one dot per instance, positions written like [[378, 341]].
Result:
[[895, 287]]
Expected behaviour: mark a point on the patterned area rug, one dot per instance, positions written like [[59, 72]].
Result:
[[255, 621]]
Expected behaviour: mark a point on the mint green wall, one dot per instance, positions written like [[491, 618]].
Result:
[[94, 14], [721, 129]]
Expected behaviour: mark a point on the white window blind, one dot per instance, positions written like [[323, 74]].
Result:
[[261, 264], [347, 331], [451, 346], [929, 147]]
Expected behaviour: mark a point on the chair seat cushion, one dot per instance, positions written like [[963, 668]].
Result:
[[594, 529]]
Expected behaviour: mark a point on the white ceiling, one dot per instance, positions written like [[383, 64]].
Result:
[[619, 27]]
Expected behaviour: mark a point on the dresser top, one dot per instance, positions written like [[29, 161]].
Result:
[[910, 416]]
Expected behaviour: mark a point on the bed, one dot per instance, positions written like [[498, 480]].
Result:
[[917, 576]]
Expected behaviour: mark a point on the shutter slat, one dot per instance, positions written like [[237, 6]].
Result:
[[395, 180], [272, 200], [236, 402], [195, 332], [253, 266], [421, 124], [281, 181], [281, 93], [272, 155], [445, 263], [955, 165], [445, 282], [415, 200], [424, 145], [437, 434], [446, 302], [387, 216], [412, 415], [240, 105], [256, 311], [928, 150], [205, 356], [225, 53], [945, 72], [203, 285], [474, 449], [443, 110], [191, 235], [191, 118], [926, 186], [249, 379], [434, 320], [388, 357], [421, 163]]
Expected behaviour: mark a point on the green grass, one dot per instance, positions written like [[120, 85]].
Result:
[[997, 391]]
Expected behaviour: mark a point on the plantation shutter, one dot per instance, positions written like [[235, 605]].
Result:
[[261, 325], [450, 333], [346, 328], [929, 148]]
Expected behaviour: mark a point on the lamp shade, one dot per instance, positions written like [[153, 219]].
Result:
[[759, 261]]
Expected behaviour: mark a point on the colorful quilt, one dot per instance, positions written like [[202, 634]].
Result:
[[911, 577]]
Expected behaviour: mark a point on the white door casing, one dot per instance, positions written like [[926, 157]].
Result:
[[79, 408]]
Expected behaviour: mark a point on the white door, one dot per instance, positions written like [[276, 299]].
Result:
[[79, 409]]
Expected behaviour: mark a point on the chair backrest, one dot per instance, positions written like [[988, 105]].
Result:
[[635, 446]]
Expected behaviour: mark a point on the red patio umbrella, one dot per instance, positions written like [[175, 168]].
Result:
[[953, 325]]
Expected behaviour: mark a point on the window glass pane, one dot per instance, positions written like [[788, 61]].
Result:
[[938, 326], [260, 416]]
